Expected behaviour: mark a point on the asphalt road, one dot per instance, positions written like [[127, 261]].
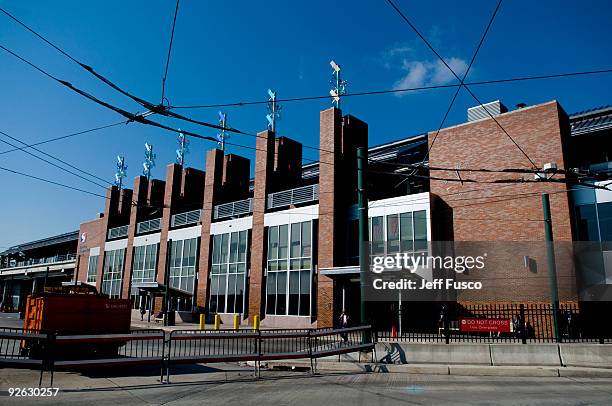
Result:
[[235, 385], [11, 320]]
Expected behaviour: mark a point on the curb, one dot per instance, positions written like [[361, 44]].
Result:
[[458, 370]]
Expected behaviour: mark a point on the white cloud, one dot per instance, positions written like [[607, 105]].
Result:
[[428, 73]]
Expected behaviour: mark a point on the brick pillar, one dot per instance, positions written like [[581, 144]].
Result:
[[264, 166], [212, 186], [171, 192], [141, 189], [330, 144]]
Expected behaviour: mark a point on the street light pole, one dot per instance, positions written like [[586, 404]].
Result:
[[552, 266], [362, 201]]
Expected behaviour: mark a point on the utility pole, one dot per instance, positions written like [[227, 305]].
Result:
[[552, 267], [362, 201]]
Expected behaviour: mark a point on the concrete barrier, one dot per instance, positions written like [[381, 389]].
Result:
[[433, 353], [521, 354], [586, 355]]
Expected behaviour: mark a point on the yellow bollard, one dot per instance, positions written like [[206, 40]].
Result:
[[236, 322], [202, 322], [256, 322], [217, 322]]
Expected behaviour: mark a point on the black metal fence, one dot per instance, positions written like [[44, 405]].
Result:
[[522, 323]]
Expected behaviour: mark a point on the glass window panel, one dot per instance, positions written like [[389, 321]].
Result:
[[604, 211], [406, 235], [294, 293], [224, 248], [231, 293], [240, 281], [306, 239], [295, 240], [242, 246], [273, 242], [420, 230], [271, 293], [216, 257], [304, 293], [295, 264], [377, 235], [283, 241], [392, 233], [281, 293], [305, 263], [233, 247]]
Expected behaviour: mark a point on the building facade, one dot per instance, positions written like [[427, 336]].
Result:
[[282, 243]]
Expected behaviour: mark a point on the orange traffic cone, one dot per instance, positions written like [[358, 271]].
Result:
[[393, 331]]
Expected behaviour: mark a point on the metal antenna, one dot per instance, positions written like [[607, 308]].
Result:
[[273, 111], [338, 85], [149, 162], [183, 148], [121, 171], [222, 136]]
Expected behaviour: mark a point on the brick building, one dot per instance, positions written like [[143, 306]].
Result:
[[282, 243]]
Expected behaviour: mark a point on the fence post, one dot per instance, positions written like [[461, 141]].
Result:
[[446, 324], [522, 324]]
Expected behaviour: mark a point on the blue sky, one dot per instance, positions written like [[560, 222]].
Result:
[[234, 51]]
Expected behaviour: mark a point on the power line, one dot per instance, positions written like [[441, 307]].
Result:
[[163, 92], [54, 157], [52, 163], [457, 77], [51, 182], [140, 118], [401, 90], [63, 137], [450, 106]]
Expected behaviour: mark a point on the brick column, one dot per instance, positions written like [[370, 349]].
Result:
[[171, 191], [212, 185], [264, 165], [111, 206], [141, 188], [330, 143]]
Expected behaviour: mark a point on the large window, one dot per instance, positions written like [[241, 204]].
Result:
[[92, 268], [145, 265], [183, 264], [228, 273], [112, 274], [289, 269], [402, 232]]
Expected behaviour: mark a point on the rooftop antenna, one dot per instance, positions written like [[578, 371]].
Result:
[[183, 148], [222, 136], [149, 162], [338, 85], [274, 111], [121, 171]]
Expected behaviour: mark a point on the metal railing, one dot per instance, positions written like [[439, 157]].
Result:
[[526, 323], [148, 226], [196, 346], [186, 218], [233, 209], [295, 196], [53, 351], [45, 260], [117, 232]]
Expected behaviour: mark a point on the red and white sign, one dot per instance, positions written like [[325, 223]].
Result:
[[486, 325]]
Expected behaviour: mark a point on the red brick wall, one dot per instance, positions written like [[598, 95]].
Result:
[[506, 212], [95, 237]]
